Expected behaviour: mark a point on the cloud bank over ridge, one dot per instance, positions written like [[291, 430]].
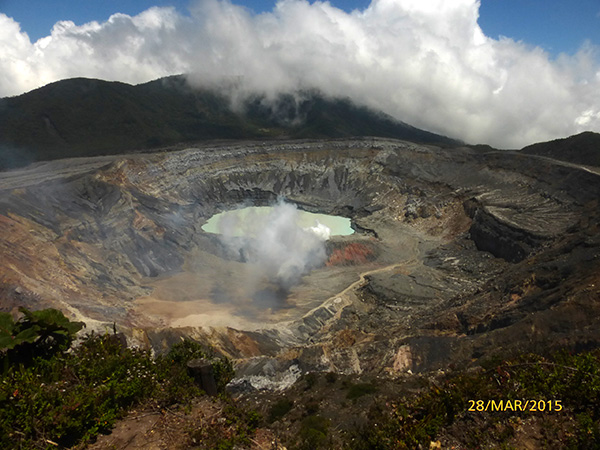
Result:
[[426, 62]]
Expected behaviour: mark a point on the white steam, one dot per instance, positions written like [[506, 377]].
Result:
[[320, 230], [274, 243], [426, 62]]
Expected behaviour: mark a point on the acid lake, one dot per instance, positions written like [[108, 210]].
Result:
[[247, 221]]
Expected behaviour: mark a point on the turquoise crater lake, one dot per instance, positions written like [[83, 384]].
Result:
[[247, 222]]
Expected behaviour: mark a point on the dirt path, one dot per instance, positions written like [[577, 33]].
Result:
[[362, 278], [411, 261], [174, 429]]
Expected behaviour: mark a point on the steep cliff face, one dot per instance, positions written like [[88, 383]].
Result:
[[468, 252]]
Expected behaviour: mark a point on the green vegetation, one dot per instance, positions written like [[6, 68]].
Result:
[[313, 432], [87, 117], [583, 148], [50, 396], [358, 390], [280, 409], [36, 334], [331, 377], [310, 379], [568, 386], [187, 350]]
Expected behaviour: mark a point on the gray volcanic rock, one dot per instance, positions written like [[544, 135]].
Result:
[[512, 228], [459, 254]]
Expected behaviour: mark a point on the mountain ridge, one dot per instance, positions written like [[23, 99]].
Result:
[[90, 117], [582, 148]]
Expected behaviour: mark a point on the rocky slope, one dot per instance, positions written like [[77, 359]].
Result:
[[471, 253]]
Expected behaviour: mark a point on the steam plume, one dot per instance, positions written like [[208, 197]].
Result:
[[281, 249]]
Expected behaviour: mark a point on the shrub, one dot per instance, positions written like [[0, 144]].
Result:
[[50, 396], [186, 350], [36, 334], [310, 380], [312, 407], [331, 377], [75, 396], [313, 432], [358, 390], [280, 409], [232, 433], [573, 380]]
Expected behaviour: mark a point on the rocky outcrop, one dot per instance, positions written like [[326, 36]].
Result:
[[514, 228]]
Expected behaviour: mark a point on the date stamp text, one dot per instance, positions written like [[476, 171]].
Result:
[[515, 405]]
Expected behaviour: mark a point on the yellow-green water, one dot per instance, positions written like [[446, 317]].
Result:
[[246, 221]]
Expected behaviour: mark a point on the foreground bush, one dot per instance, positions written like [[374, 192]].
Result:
[[560, 395], [41, 333], [59, 398]]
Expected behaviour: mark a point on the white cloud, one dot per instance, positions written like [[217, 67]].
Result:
[[426, 62]]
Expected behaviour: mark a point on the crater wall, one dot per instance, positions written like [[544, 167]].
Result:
[[461, 241]]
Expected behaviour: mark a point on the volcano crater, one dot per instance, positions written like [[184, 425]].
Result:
[[451, 259]]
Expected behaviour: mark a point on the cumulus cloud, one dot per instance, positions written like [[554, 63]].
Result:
[[426, 62]]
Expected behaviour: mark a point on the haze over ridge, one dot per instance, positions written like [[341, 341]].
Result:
[[427, 63]]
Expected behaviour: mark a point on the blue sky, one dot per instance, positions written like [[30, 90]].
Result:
[[439, 65], [555, 25], [38, 16]]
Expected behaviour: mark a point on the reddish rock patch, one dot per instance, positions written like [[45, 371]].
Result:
[[351, 254]]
